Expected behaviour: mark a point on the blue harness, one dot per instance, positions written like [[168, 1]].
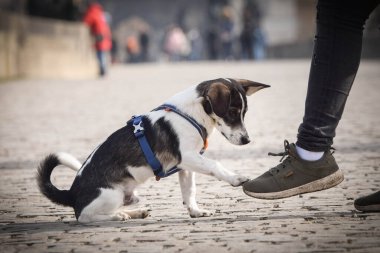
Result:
[[150, 157]]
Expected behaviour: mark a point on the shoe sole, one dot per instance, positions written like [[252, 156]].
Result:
[[317, 185], [368, 208]]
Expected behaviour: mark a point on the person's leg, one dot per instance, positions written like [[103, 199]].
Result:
[[336, 59], [102, 61], [334, 65]]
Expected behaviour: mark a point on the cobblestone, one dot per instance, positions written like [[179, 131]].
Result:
[[40, 116]]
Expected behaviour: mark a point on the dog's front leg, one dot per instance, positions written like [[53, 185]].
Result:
[[188, 189], [198, 163]]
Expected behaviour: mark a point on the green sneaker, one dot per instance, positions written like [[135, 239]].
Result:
[[369, 203], [295, 176]]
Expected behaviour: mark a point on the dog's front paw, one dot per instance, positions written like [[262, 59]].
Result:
[[238, 180], [196, 213]]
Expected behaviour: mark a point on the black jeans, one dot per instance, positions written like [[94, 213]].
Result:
[[336, 58]]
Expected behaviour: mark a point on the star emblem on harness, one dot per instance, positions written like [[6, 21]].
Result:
[[138, 127]]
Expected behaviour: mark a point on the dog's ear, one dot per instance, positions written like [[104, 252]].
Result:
[[219, 97], [251, 87]]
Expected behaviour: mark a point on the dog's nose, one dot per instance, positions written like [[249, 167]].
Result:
[[244, 140]]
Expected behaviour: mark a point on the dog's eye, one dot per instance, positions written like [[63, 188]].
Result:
[[233, 112]]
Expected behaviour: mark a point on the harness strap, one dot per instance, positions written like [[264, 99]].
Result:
[[139, 134], [150, 157], [201, 130]]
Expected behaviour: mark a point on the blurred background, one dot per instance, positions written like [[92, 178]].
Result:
[[74, 39]]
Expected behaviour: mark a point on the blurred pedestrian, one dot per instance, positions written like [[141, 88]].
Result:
[[144, 44], [114, 51], [226, 33], [196, 44], [212, 43], [246, 36], [96, 21], [176, 45], [252, 37], [133, 49], [309, 165]]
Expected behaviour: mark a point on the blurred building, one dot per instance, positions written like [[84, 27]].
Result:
[[43, 39], [35, 33]]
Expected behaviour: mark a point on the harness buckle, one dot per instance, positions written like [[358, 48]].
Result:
[[138, 126], [138, 129], [139, 133]]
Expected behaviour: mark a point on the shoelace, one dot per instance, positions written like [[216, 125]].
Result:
[[288, 157], [286, 154], [283, 154]]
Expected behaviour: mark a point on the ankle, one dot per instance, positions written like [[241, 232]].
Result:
[[308, 155]]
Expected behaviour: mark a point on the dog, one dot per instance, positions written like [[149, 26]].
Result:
[[174, 134]]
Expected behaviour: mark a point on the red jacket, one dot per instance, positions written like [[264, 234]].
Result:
[[96, 21]]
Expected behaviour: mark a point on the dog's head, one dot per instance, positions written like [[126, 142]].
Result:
[[225, 101]]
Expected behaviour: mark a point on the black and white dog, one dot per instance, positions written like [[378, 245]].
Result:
[[175, 133]]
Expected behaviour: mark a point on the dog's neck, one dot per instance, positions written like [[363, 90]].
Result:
[[189, 102]]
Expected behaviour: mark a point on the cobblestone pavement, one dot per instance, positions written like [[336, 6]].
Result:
[[38, 117]]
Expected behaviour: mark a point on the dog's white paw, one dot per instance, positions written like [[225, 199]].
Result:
[[196, 213], [133, 214], [142, 214], [238, 180], [121, 216]]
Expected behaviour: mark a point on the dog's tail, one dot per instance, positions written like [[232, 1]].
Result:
[[62, 197]]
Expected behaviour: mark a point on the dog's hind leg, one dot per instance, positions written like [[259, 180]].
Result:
[[105, 207], [108, 206], [188, 189]]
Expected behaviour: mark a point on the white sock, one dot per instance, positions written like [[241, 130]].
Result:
[[308, 155]]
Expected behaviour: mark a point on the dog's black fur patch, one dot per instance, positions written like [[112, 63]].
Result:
[[109, 164]]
